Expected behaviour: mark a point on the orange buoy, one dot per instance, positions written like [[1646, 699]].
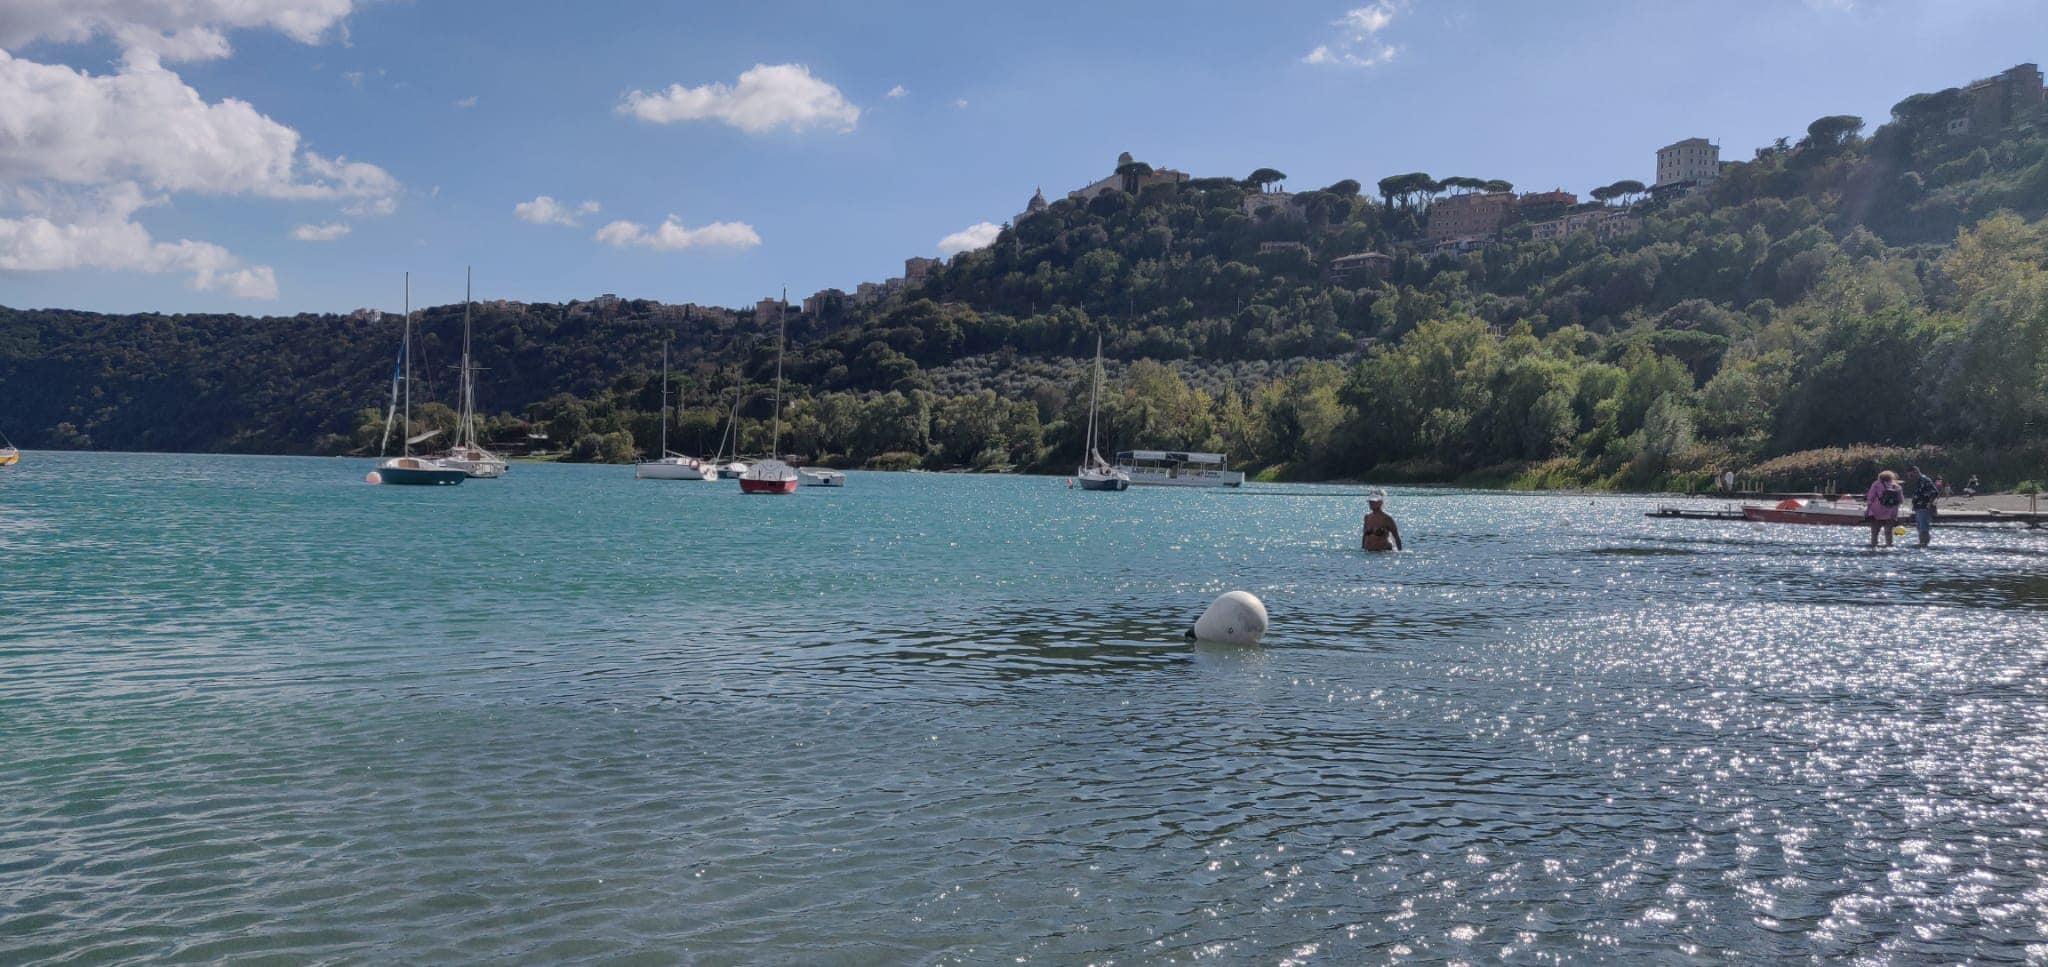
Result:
[[373, 477]]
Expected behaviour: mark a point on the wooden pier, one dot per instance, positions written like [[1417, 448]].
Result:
[[1955, 518]]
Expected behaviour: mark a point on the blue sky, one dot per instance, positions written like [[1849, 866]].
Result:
[[132, 178]]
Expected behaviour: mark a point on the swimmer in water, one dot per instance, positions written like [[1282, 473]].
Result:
[[1380, 533]]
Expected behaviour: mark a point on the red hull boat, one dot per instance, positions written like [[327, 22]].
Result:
[[1843, 514], [767, 486]]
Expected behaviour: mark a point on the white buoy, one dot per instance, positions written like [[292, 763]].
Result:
[[1234, 618]]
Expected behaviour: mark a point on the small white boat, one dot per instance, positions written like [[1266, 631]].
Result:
[[820, 478], [732, 471], [670, 465]]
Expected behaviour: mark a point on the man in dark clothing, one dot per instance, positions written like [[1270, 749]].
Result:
[[1925, 492]]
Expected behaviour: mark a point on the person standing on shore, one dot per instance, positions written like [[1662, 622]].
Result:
[[1925, 491], [1380, 533], [1881, 506]]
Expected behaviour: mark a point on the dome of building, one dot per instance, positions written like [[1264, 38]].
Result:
[[1124, 159], [1037, 202]]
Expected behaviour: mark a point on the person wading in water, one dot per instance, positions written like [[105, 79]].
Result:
[[1380, 533]]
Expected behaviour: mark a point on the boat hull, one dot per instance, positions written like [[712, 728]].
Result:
[[9, 457], [1772, 515], [824, 478], [748, 486], [1106, 483], [409, 477], [670, 471]]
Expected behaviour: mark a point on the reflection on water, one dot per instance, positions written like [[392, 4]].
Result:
[[255, 707]]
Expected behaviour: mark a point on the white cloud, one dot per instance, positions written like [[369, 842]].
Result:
[[97, 232], [1358, 43], [320, 233], [469, 101], [959, 102], [897, 91], [977, 235], [145, 124], [354, 79], [671, 234], [766, 97], [544, 210], [172, 31]]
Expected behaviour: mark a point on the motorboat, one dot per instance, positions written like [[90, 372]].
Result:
[[732, 471], [1096, 473], [810, 477]]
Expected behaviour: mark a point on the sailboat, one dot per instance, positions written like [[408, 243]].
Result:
[[466, 454], [772, 476], [9, 453], [405, 468], [1096, 473], [734, 469], [671, 466]]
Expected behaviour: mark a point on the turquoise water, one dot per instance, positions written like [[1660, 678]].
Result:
[[253, 707]]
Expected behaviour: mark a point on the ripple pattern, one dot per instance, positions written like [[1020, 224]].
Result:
[[252, 709]]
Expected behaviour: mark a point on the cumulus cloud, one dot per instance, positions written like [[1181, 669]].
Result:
[[977, 235], [897, 91], [99, 232], [175, 31], [671, 235], [766, 97], [1359, 42], [320, 233], [544, 210], [146, 125]]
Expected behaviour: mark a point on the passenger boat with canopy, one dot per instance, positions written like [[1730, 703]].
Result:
[[1175, 468]]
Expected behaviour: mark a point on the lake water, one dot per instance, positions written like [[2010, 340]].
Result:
[[255, 707]]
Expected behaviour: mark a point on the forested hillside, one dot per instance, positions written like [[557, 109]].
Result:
[[1835, 291]]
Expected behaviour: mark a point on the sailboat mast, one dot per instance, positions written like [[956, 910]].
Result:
[[664, 402], [1094, 400], [465, 436], [405, 352], [781, 327]]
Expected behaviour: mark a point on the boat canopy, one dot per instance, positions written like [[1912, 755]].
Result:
[[1171, 456]]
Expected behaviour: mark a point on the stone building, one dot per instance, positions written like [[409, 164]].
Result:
[[1036, 205], [2012, 96], [916, 268], [1475, 215], [1132, 184], [1693, 161], [1360, 268]]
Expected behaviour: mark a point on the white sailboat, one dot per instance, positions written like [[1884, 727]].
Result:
[[671, 466], [772, 476], [406, 469], [466, 454], [1096, 473]]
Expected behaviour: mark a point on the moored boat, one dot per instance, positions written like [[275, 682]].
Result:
[[671, 466], [466, 453], [1836, 513], [772, 476], [1177, 468], [406, 469], [1096, 473], [9, 453], [811, 477]]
